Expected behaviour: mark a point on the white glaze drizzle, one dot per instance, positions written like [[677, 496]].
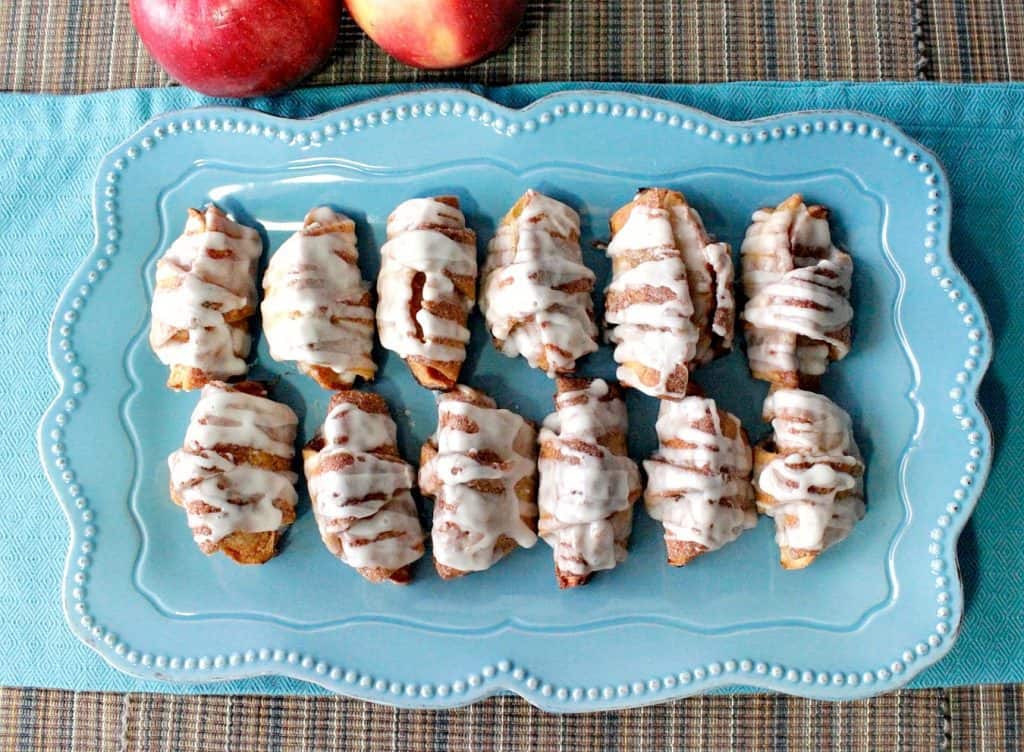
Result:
[[797, 284], [581, 492], [817, 460], [358, 502], [701, 491], [209, 271], [416, 245], [467, 522], [205, 471], [313, 311], [530, 256]]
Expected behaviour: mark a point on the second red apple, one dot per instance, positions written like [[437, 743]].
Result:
[[438, 33]]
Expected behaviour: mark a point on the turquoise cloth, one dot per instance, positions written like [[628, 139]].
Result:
[[50, 146]]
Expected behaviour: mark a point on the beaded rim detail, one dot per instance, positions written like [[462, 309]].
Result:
[[505, 674]]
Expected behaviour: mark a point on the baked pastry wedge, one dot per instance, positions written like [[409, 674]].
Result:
[[698, 482], [360, 489], [798, 314], [426, 288], [316, 307], [669, 307], [809, 475], [233, 475], [205, 294], [480, 467], [588, 483], [536, 290]]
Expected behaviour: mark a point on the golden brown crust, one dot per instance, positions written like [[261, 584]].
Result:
[[242, 455], [249, 548], [675, 384], [368, 402], [502, 547], [434, 374], [249, 386], [567, 580], [565, 384], [314, 227], [796, 379], [400, 576], [680, 553], [186, 378], [330, 379], [517, 209], [616, 300], [792, 558], [325, 376], [244, 547], [655, 198]]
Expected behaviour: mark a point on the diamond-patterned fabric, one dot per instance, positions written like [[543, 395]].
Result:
[[50, 146]]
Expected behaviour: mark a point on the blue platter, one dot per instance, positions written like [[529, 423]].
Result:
[[865, 618]]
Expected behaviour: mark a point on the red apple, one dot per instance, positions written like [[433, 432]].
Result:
[[238, 48], [438, 33]]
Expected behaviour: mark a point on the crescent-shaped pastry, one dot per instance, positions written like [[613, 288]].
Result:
[[670, 304], [588, 483], [808, 474], [698, 482], [204, 296], [233, 475], [535, 293], [798, 314], [360, 489], [316, 307], [480, 468], [427, 287]]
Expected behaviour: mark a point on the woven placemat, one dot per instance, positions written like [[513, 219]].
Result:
[[71, 46], [977, 719]]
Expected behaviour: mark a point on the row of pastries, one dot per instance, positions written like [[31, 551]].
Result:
[[669, 309]]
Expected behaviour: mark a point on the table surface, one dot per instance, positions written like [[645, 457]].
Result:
[[65, 46]]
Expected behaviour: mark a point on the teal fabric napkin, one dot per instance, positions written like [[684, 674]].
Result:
[[50, 147]]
